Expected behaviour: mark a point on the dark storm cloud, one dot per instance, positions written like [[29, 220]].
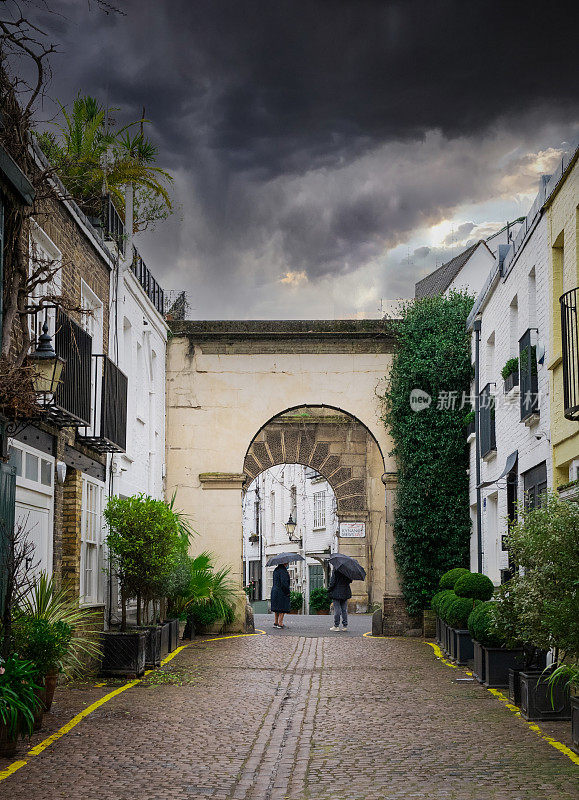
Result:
[[312, 135]]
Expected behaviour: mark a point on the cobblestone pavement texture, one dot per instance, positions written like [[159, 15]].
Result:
[[296, 717]]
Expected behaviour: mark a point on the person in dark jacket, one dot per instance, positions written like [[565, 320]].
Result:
[[280, 594], [340, 592]]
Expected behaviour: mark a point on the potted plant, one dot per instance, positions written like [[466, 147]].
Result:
[[320, 601], [497, 659], [469, 425], [436, 603], [296, 602], [44, 644], [254, 538], [510, 374], [18, 702]]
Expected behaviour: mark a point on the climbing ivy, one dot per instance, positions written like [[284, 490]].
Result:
[[432, 522]]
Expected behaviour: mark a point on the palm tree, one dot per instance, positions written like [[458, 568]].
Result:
[[92, 160]]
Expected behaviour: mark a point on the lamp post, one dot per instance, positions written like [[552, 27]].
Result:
[[290, 527]]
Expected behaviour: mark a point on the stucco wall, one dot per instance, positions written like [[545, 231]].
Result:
[[220, 394]]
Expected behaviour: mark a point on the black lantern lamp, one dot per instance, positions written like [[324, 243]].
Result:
[[47, 366], [290, 527]]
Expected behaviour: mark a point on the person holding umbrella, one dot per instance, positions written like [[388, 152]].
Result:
[[345, 570], [280, 591]]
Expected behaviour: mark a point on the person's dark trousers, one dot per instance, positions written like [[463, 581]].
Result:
[[340, 608]]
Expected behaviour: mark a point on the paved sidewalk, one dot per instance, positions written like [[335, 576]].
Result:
[[296, 718], [314, 625]]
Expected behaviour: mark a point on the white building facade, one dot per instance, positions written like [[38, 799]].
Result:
[[514, 440], [277, 493]]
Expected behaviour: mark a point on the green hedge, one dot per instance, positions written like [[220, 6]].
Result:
[[296, 601], [437, 600], [320, 600], [458, 612], [481, 625]]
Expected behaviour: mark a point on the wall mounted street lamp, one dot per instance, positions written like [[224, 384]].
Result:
[[47, 366], [290, 527]]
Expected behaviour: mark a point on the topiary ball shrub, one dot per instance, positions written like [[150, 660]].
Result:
[[458, 612], [481, 625], [437, 600], [444, 605], [449, 578], [474, 585]]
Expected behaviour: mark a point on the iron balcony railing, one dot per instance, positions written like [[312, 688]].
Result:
[[108, 429], [528, 378], [570, 350], [114, 227], [149, 284], [488, 442], [70, 406]]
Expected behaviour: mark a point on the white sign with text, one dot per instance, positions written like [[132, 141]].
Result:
[[352, 530]]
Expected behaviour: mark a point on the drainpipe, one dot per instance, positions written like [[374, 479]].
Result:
[[129, 222], [477, 328]]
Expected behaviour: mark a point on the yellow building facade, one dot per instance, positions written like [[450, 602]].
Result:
[[563, 223]]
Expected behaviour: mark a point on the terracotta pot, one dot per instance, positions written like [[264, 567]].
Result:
[[7, 745], [39, 711], [49, 687]]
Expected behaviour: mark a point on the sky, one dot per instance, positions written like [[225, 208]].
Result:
[[327, 154]]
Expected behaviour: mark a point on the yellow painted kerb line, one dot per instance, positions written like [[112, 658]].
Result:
[[39, 748], [562, 748]]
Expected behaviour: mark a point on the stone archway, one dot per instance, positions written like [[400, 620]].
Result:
[[227, 381], [341, 449]]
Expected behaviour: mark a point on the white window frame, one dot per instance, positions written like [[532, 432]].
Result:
[[39, 238], [320, 510], [92, 548], [272, 514]]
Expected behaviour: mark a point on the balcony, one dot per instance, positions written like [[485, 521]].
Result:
[[488, 442], [528, 378], [570, 351], [107, 432], [70, 406], [114, 227], [149, 284]]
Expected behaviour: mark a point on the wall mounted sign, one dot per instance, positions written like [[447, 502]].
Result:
[[352, 530]]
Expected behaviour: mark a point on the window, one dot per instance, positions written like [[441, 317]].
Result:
[[319, 510], [535, 484], [488, 443], [91, 553], [528, 378], [294, 503], [272, 514]]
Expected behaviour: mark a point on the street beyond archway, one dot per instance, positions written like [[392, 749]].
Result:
[[276, 717]]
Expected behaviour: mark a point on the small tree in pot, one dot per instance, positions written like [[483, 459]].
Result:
[[320, 601]]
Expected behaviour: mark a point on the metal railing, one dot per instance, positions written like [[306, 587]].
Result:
[[108, 429], [148, 282], [570, 352], [114, 227], [528, 378], [70, 406], [488, 442]]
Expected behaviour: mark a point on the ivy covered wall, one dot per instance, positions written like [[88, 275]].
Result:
[[432, 522]]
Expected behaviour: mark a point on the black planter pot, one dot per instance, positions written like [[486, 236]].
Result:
[[445, 637], [498, 662], [438, 631], [165, 634], [479, 662], [124, 653], [189, 630], [452, 643], [515, 687], [173, 633], [511, 381], [153, 646], [464, 649], [536, 698], [575, 723], [536, 663], [470, 429]]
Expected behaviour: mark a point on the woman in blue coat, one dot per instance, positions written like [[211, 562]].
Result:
[[280, 594]]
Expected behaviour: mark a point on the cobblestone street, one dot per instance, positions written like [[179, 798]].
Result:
[[269, 717]]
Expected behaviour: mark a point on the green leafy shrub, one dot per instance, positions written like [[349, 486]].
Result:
[[437, 600], [432, 525], [207, 614], [44, 643], [449, 578], [296, 601], [468, 418], [17, 699], [474, 585], [320, 600], [458, 611], [445, 603], [510, 368], [481, 624]]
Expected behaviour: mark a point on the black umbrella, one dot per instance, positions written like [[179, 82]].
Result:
[[284, 558], [347, 566]]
